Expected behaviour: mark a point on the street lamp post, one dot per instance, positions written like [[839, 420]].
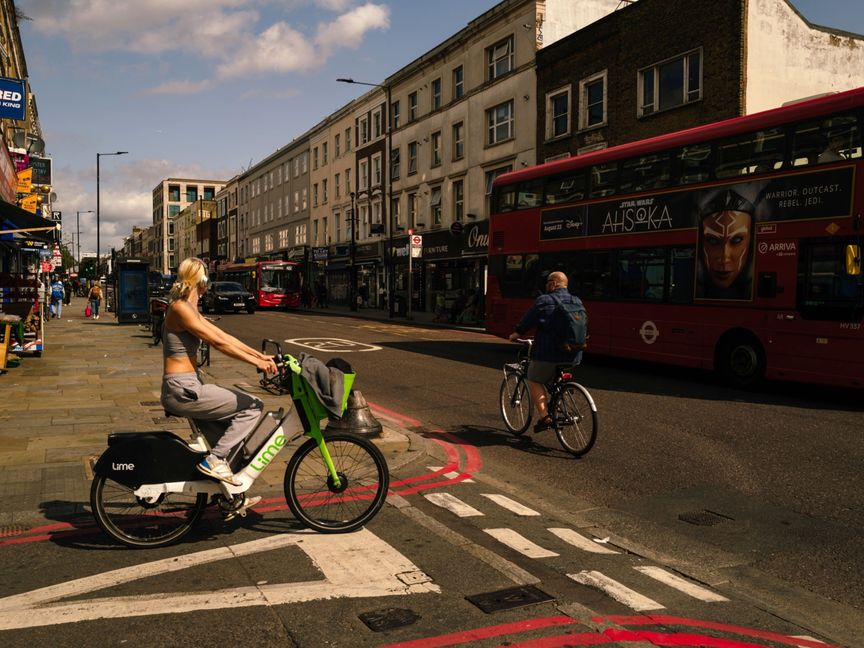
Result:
[[98, 250], [352, 272], [386, 212], [78, 229]]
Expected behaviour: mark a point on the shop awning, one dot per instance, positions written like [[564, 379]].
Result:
[[13, 218]]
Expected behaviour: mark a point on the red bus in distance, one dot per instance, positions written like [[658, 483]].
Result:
[[275, 284], [733, 246]]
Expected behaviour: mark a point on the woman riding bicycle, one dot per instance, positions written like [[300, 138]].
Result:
[[183, 393], [549, 339]]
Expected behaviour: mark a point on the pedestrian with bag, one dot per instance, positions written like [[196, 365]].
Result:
[[57, 296], [555, 341], [95, 299]]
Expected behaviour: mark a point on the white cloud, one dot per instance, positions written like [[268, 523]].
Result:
[[226, 32]]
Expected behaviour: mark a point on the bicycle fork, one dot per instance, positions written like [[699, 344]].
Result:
[[315, 433]]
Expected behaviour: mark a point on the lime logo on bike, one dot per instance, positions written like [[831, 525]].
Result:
[[122, 466], [266, 456]]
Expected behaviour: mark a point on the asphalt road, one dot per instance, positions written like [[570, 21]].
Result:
[[778, 468]]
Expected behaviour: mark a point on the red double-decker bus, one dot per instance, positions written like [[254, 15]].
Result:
[[275, 284], [733, 246]]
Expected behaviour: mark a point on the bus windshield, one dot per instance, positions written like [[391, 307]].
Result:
[[278, 279]]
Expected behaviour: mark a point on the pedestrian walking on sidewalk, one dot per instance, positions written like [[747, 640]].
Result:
[[95, 297], [67, 291], [183, 392], [57, 295]]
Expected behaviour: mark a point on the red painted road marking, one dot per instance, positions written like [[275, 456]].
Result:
[[456, 638]]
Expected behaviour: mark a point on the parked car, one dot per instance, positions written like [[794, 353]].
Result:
[[224, 296]]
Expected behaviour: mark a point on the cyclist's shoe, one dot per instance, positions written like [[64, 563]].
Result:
[[543, 424], [248, 502], [218, 469]]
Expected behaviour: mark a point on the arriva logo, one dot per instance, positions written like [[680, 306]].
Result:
[[260, 462], [122, 466]]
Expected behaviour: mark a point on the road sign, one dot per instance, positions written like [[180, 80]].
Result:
[[456, 228], [416, 241]]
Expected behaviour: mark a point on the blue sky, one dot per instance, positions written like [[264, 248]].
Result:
[[201, 88]]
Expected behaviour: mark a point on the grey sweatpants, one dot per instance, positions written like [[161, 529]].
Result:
[[184, 394]]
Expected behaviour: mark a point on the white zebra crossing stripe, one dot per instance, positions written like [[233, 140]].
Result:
[[681, 584], [520, 543], [452, 504], [571, 537], [616, 590], [511, 505], [451, 475]]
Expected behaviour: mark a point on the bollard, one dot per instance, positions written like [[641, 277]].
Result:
[[357, 418]]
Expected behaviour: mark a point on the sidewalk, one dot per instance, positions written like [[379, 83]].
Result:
[[96, 377]]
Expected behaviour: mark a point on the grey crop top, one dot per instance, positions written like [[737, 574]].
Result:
[[178, 345]]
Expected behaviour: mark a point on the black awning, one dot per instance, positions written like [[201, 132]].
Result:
[[13, 217]]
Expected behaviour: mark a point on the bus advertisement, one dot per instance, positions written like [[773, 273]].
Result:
[[733, 246], [275, 284]]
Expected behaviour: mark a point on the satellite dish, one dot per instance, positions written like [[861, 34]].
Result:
[[18, 139], [37, 145], [53, 197]]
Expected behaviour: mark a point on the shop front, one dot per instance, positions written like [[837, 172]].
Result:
[[453, 277], [370, 275], [338, 277]]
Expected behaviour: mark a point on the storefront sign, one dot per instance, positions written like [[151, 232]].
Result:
[[25, 180], [20, 159], [30, 203], [320, 253], [473, 241], [12, 99], [41, 170]]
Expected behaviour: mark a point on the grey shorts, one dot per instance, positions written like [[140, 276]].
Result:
[[541, 371]]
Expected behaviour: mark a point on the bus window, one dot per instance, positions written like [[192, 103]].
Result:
[[604, 177], [642, 274], [594, 281], [530, 194], [825, 290], [829, 140], [646, 172], [566, 189], [694, 164], [681, 276], [758, 152], [505, 201]]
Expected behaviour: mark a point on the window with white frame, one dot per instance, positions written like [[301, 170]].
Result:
[[376, 212], [315, 194], [336, 186], [337, 148], [297, 166], [256, 245], [300, 234], [304, 162], [458, 200], [458, 141], [314, 158], [500, 58], [377, 127], [283, 238], [395, 165], [412, 158], [396, 113], [305, 198], [499, 123], [348, 143], [558, 113], [324, 153], [363, 129], [436, 94], [363, 175], [435, 202], [396, 212], [592, 100], [324, 190], [436, 149], [458, 82], [670, 83], [268, 242], [347, 181], [296, 201], [490, 178], [279, 175], [412, 209], [376, 170], [412, 106]]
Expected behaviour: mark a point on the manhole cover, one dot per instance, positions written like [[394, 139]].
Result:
[[702, 518], [510, 598], [388, 618], [12, 530]]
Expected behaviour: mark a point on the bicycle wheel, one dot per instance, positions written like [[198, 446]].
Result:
[[137, 523], [575, 419], [515, 401], [318, 503]]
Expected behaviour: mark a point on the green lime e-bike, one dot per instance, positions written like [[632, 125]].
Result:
[[147, 491]]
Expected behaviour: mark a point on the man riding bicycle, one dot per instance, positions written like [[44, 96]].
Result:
[[548, 350]]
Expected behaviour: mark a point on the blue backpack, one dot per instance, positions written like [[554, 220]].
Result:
[[57, 291], [573, 325]]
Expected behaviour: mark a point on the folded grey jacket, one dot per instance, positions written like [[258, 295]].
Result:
[[328, 383]]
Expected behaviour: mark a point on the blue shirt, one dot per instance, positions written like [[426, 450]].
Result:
[[548, 339]]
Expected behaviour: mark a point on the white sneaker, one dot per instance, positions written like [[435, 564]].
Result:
[[218, 469], [248, 502]]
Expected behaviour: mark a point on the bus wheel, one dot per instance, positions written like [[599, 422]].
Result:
[[741, 360]]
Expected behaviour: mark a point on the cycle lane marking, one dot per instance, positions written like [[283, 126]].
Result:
[[357, 565]]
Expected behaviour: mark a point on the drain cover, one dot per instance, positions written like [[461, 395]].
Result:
[[12, 530], [510, 598], [388, 618], [702, 518]]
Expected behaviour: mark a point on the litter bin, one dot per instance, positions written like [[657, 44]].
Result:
[[399, 308], [130, 291]]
